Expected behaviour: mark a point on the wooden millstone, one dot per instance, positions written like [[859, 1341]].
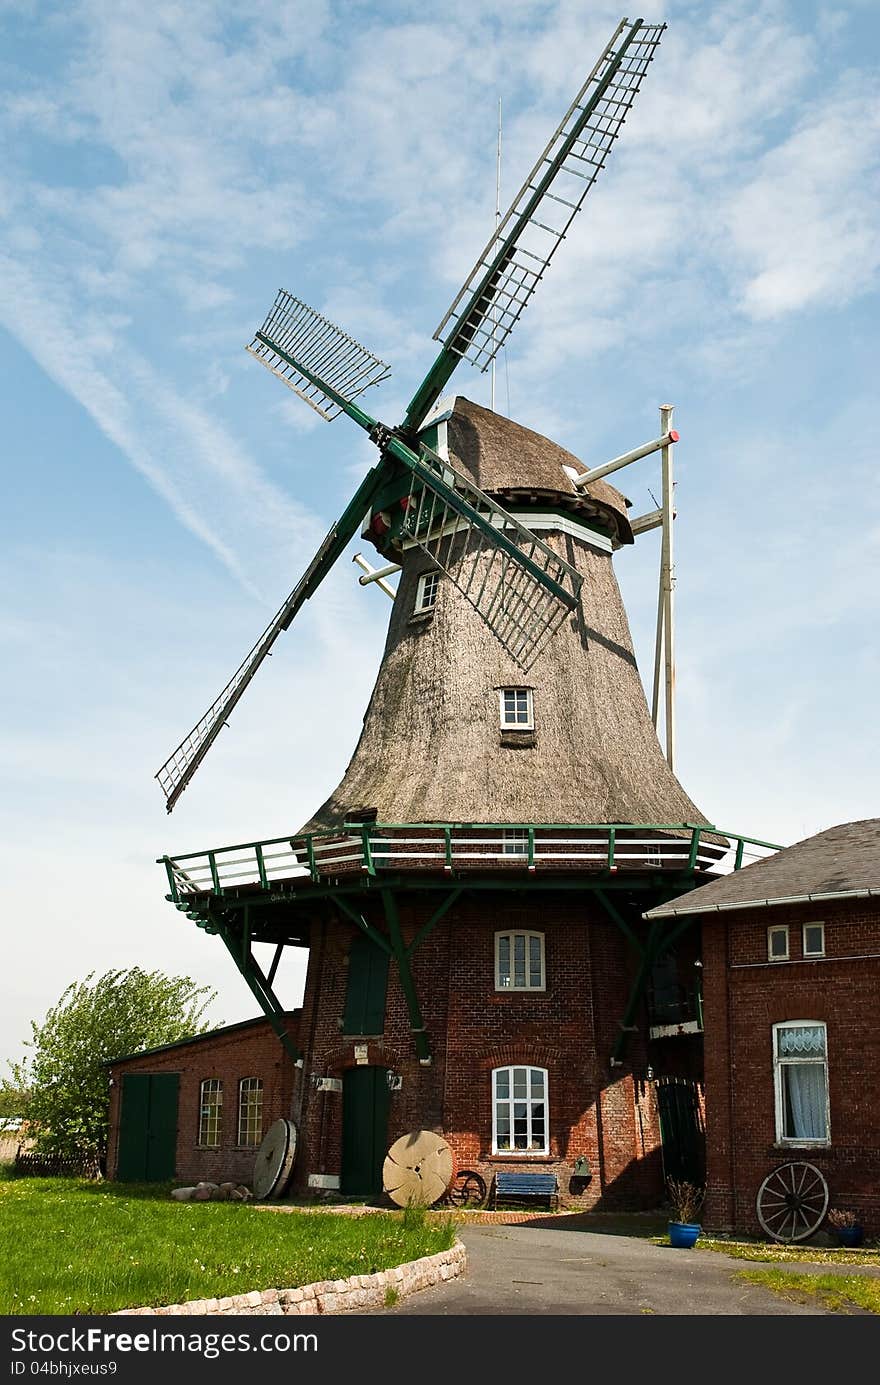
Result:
[[418, 1169], [274, 1162]]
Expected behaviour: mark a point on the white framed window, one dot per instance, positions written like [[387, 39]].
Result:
[[800, 1076], [520, 1120], [515, 841], [777, 942], [210, 1111], [250, 1111], [517, 709], [519, 961], [814, 940], [426, 592]]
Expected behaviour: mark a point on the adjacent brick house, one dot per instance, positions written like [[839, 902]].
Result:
[[198, 1109], [791, 976]]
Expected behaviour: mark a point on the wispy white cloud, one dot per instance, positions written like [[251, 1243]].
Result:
[[804, 227], [208, 482]]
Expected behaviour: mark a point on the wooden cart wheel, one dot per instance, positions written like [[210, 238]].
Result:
[[418, 1169], [468, 1189], [274, 1162], [792, 1201]]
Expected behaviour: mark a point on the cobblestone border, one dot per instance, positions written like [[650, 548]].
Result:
[[327, 1296]]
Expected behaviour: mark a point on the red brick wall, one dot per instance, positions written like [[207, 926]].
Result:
[[742, 1003], [570, 1030], [250, 1050]]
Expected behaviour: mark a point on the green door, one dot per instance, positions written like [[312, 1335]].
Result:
[[365, 1103], [147, 1127]]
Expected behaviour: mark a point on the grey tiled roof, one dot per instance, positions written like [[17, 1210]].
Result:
[[842, 861]]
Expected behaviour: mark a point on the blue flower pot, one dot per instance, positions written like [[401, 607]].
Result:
[[849, 1235], [683, 1234]]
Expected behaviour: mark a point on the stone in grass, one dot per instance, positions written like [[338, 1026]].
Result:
[[213, 1192]]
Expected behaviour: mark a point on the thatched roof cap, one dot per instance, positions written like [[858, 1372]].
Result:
[[515, 464], [842, 862]]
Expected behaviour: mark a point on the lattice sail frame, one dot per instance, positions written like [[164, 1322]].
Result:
[[183, 762], [515, 259], [521, 612], [323, 348]]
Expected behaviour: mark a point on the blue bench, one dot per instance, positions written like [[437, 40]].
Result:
[[523, 1187]]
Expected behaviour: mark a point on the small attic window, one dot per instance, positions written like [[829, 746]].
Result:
[[426, 592], [814, 940], [517, 710]]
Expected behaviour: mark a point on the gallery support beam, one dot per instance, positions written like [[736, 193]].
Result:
[[394, 946], [239, 949], [658, 941], [407, 983]]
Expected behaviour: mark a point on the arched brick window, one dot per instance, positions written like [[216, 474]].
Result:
[[250, 1111], [520, 1113], [800, 1070], [210, 1111]]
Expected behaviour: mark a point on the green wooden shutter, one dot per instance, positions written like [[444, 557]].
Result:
[[366, 990], [162, 1139], [131, 1161]]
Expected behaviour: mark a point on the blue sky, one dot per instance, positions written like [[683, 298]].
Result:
[[169, 166]]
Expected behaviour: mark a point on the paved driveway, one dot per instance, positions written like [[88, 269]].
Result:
[[541, 1270]]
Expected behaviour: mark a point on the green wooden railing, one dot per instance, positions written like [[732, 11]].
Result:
[[459, 849]]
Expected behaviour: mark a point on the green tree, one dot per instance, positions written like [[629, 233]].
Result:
[[13, 1103], [65, 1076]]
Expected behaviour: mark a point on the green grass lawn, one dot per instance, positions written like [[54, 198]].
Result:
[[838, 1292], [771, 1251], [95, 1247]]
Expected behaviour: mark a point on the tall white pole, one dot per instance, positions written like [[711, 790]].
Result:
[[497, 224], [658, 642], [668, 586]]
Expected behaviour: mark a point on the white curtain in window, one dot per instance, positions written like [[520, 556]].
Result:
[[802, 1038], [805, 1083]]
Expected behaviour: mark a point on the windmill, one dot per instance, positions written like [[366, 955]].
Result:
[[519, 586]]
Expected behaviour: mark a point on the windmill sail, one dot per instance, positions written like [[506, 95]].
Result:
[[298, 331], [183, 762], [513, 262], [520, 587]]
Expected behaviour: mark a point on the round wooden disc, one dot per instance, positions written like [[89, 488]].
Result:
[[418, 1169], [275, 1157]]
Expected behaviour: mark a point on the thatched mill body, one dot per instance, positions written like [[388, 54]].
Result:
[[472, 892]]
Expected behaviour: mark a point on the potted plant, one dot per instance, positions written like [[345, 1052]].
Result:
[[686, 1199], [846, 1227]]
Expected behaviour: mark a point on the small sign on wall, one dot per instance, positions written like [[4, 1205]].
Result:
[[327, 1084], [361, 1054], [329, 1181]]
